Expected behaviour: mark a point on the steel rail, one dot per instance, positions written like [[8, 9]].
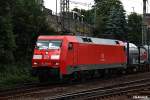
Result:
[[119, 91], [104, 91], [27, 88]]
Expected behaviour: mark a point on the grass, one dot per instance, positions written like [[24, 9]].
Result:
[[14, 75]]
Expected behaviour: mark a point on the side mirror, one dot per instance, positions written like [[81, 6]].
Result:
[[70, 46], [35, 46]]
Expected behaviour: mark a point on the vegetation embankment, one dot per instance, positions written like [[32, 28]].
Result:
[[21, 21]]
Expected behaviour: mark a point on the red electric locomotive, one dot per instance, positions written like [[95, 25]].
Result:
[[62, 56]]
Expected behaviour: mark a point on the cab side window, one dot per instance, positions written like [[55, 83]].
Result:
[[70, 46]]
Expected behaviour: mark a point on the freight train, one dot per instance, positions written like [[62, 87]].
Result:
[[79, 57]]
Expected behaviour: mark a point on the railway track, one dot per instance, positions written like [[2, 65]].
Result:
[[21, 88], [26, 89], [105, 91], [30, 90]]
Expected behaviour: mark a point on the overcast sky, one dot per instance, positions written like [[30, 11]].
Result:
[[129, 5]]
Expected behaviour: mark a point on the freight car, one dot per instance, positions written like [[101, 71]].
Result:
[[75, 56], [137, 55]]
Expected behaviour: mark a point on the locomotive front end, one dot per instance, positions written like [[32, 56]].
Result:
[[46, 58], [47, 54]]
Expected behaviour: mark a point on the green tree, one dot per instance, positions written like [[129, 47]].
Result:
[[134, 28], [116, 23], [110, 18], [7, 39], [21, 21], [29, 21]]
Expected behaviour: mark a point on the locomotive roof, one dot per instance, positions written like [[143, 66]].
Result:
[[82, 39], [97, 40]]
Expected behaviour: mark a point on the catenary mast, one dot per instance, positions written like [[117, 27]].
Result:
[[64, 14]]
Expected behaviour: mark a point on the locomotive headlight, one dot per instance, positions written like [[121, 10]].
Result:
[[37, 56], [35, 63], [46, 53], [55, 57]]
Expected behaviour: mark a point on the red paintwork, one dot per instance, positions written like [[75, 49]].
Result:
[[82, 53], [51, 63], [45, 61], [100, 54], [144, 56]]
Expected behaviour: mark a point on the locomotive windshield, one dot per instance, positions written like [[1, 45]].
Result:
[[52, 44]]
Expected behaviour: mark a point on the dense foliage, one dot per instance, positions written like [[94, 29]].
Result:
[[110, 18], [7, 39], [135, 28], [21, 21]]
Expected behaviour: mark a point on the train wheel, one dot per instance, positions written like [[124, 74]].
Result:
[[130, 70], [82, 76], [75, 77], [140, 69], [65, 78], [124, 72], [100, 73], [43, 78], [135, 69], [107, 73], [91, 74], [148, 67]]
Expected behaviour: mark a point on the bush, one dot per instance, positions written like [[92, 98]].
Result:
[[13, 75]]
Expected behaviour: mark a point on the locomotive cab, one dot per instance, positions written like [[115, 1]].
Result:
[[50, 55], [47, 53], [46, 58]]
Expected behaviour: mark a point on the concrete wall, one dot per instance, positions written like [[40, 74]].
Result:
[[76, 27]]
